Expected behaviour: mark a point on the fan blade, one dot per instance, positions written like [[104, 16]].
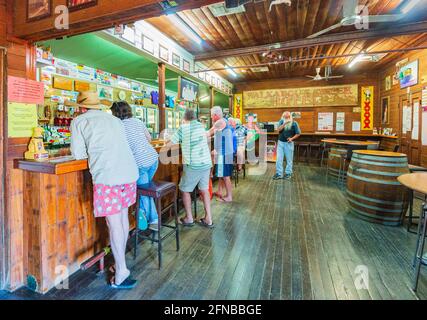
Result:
[[349, 8], [335, 77], [311, 77], [385, 18], [335, 26]]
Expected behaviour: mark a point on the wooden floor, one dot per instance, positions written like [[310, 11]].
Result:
[[278, 240]]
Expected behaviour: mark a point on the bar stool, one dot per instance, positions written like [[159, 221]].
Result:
[[419, 251], [325, 151], [305, 146], [157, 190], [411, 217], [316, 146]]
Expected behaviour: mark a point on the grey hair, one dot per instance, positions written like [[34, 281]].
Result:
[[189, 115], [217, 111]]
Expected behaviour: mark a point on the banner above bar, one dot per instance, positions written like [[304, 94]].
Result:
[[330, 96]]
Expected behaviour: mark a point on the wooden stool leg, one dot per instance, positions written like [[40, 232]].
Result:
[[411, 209], [420, 249], [176, 222], [137, 225], [159, 234]]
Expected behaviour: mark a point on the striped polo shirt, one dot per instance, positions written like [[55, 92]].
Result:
[[136, 134], [195, 151]]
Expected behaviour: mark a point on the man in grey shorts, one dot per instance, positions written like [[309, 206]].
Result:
[[197, 166]]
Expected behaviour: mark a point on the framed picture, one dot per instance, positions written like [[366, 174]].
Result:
[[176, 60], [208, 77], [38, 9], [163, 53], [409, 75], [185, 65], [387, 83], [202, 75], [385, 106], [147, 44], [80, 4]]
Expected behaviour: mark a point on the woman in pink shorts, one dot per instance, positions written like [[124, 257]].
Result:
[[99, 137]]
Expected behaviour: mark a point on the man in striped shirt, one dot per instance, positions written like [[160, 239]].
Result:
[[197, 166]]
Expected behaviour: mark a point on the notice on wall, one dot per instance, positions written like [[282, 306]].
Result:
[[424, 129], [24, 91], [406, 119], [340, 122], [22, 118], [424, 99], [355, 126], [367, 108], [416, 120], [325, 121]]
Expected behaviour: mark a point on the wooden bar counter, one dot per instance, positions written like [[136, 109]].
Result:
[[60, 231]]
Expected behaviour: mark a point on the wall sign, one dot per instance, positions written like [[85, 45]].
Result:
[[24, 91], [409, 75], [367, 105], [385, 107], [238, 107], [343, 95], [80, 4], [21, 120], [189, 90], [325, 121], [38, 9]]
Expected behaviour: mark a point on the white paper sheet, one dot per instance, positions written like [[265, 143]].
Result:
[[406, 119], [424, 129], [340, 123], [355, 126], [416, 120], [325, 121]]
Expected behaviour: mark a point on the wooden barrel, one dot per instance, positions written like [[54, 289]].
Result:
[[373, 192], [334, 160]]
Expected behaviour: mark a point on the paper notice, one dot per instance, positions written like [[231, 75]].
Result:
[[340, 123], [355, 126], [416, 120], [424, 129], [22, 118]]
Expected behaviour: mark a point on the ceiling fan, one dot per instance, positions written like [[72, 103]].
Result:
[[328, 74], [354, 15]]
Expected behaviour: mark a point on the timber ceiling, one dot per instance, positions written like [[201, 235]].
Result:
[[257, 26]]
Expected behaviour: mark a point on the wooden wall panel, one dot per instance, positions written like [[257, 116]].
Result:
[[21, 63], [309, 115], [396, 93]]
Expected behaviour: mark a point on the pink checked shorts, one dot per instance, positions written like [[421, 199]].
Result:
[[109, 200]]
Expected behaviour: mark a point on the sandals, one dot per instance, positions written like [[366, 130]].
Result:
[[186, 224], [204, 224], [127, 284]]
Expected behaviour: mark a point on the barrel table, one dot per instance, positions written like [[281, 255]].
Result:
[[373, 191]]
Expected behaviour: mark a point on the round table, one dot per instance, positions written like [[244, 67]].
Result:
[[373, 191], [417, 182], [349, 142]]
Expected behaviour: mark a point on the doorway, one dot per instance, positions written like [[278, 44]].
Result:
[[411, 113]]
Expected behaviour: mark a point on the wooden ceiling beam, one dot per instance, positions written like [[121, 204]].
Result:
[[377, 33], [102, 16]]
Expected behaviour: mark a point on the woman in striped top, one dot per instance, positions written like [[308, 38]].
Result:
[[145, 156]]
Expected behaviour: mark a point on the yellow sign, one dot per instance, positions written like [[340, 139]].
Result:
[[238, 107], [21, 119], [367, 108], [330, 96]]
